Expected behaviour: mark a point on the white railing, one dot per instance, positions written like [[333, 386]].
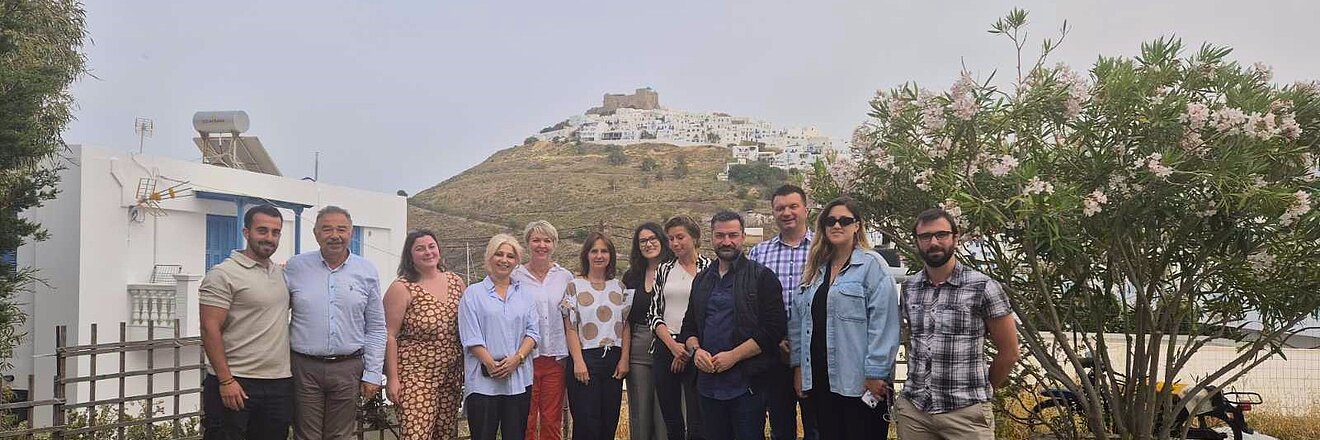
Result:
[[157, 304]]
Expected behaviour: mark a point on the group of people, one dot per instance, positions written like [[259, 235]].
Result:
[[710, 348]]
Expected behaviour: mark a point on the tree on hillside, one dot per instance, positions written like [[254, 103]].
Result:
[[615, 156], [649, 164], [757, 173], [40, 55], [680, 167], [1167, 198], [530, 140]]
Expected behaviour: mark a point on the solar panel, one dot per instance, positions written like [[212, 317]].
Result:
[[240, 152]]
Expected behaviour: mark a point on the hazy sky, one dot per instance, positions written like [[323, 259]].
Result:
[[403, 94]]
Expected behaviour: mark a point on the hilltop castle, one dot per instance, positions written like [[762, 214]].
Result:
[[642, 99]]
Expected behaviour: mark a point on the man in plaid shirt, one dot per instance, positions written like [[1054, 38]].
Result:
[[949, 310], [786, 255]]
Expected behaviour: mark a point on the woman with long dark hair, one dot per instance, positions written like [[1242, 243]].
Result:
[[595, 314], [650, 247], [423, 356], [843, 331]]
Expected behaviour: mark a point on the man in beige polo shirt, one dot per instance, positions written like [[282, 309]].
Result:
[[248, 389]]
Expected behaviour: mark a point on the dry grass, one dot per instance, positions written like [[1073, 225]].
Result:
[[575, 189], [1304, 426]]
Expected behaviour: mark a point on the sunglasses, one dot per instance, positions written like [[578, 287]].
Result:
[[829, 222]]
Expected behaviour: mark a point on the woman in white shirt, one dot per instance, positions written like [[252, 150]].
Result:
[[545, 280], [675, 379], [595, 308]]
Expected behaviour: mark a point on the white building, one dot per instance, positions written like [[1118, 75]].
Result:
[[787, 148], [109, 259]]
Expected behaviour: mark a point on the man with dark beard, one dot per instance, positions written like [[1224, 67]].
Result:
[[733, 326], [949, 310], [244, 308]]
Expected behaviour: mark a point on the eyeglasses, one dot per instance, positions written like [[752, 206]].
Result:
[[652, 241], [841, 221], [941, 236]]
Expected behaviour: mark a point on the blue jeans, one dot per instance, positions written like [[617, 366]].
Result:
[[742, 418]]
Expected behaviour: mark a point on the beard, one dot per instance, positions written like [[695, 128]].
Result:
[[727, 253], [936, 256], [263, 249]]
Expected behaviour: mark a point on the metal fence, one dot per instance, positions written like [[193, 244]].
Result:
[[101, 416], [168, 410], [171, 411]]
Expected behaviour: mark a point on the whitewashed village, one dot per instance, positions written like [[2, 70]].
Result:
[[638, 118]]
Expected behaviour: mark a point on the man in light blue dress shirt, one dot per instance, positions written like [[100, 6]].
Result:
[[337, 331]]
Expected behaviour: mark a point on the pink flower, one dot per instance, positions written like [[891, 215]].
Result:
[[1261, 262], [1300, 207], [922, 179], [1003, 165], [964, 104], [932, 117], [1191, 142], [1229, 119], [1196, 116], [941, 149], [1288, 126], [843, 171], [951, 206], [1091, 204], [1156, 167], [1037, 186], [1262, 70], [1077, 91]]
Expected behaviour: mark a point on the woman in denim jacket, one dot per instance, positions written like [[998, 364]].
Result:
[[843, 330]]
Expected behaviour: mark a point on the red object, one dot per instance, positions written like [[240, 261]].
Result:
[[1244, 407], [547, 400]]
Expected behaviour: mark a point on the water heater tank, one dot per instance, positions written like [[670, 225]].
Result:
[[233, 121]]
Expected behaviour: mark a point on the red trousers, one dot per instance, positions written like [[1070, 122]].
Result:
[[546, 419]]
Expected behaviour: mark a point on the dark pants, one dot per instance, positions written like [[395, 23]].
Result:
[[505, 415], [266, 414], [673, 390], [595, 405], [848, 418], [782, 404], [326, 397], [742, 418]]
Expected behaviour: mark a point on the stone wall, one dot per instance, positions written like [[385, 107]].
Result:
[[641, 99]]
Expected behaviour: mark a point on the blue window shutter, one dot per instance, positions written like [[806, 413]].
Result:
[[355, 246], [9, 258], [220, 238]]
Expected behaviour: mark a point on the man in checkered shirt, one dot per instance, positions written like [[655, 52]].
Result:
[[949, 309], [786, 255]]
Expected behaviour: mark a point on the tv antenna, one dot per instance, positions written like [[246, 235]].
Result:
[[144, 127]]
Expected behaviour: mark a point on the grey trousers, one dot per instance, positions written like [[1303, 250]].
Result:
[[644, 419], [325, 397]]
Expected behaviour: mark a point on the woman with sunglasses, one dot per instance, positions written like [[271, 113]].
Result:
[[843, 330]]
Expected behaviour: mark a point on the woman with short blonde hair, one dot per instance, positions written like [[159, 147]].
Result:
[[497, 325]]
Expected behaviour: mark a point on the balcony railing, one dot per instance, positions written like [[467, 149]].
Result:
[[157, 304]]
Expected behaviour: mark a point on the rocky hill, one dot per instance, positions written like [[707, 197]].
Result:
[[577, 187]]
